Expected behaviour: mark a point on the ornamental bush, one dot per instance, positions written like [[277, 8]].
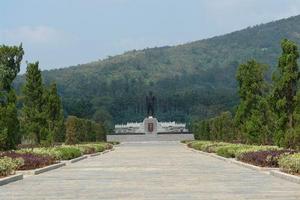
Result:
[[229, 151], [290, 163], [68, 152], [267, 158], [9, 165], [31, 161], [199, 145], [86, 149]]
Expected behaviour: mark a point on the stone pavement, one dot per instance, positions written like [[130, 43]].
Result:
[[152, 170]]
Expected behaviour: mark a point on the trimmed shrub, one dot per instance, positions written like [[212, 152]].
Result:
[[290, 163], [31, 161], [264, 158], [229, 151], [207, 146], [198, 145], [68, 152], [99, 147], [86, 149], [9, 165]]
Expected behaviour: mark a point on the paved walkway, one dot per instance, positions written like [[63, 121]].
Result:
[[165, 170]]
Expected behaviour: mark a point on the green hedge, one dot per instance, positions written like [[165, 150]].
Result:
[[290, 163]]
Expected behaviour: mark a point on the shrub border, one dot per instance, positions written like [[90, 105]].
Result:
[[270, 171], [10, 179], [21, 173]]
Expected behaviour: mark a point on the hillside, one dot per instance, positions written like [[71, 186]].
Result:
[[194, 80]]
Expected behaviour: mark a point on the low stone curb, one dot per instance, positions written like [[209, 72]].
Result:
[[41, 170], [95, 154], [10, 179], [210, 155], [265, 169], [67, 162], [289, 177], [99, 153]]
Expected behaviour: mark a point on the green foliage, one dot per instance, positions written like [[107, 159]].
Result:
[[261, 118], [68, 152], [9, 165], [10, 60], [220, 128], [250, 113], [55, 116], [283, 97], [42, 113], [34, 122], [82, 130], [71, 130], [290, 163], [191, 81], [228, 150]]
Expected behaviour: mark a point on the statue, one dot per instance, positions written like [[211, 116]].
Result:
[[150, 102]]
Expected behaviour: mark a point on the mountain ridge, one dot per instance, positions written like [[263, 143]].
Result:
[[193, 80]]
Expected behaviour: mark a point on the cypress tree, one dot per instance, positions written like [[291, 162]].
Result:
[[252, 86], [34, 122], [283, 98], [55, 116], [71, 130]]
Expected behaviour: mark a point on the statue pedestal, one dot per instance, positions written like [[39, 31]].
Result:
[[150, 125]]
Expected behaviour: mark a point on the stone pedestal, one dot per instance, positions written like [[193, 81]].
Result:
[[150, 125]]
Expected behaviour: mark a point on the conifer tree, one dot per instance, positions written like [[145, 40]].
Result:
[[55, 116], [34, 122], [283, 98], [10, 60], [252, 86], [71, 130]]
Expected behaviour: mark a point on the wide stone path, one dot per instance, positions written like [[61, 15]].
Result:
[[153, 170]]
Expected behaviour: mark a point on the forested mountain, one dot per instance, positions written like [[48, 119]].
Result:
[[194, 80]]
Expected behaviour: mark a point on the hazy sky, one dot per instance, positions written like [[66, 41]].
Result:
[[60, 33]]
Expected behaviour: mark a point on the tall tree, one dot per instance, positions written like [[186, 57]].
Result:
[[34, 122], [250, 77], [55, 115], [10, 60], [285, 80], [71, 130]]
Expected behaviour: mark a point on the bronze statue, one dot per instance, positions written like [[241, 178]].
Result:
[[150, 102]]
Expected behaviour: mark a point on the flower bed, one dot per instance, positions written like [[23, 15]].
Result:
[[9, 165], [267, 158], [30, 161], [263, 156], [38, 157], [290, 164]]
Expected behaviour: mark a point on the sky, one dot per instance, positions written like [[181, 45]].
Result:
[[62, 33]]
